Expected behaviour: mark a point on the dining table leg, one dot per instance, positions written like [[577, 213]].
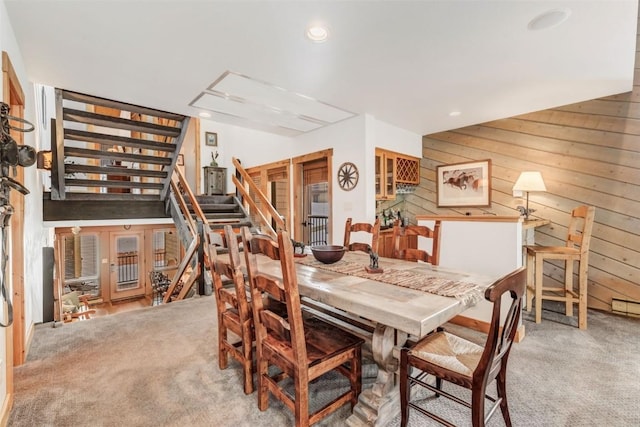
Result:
[[378, 405]]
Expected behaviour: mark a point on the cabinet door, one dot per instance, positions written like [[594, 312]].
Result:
[[385, 175], [389, 177], [379, 168]]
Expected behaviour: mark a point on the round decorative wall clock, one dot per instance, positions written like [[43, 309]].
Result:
[[348, 176]]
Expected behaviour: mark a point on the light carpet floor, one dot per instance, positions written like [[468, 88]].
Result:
[[158, 367]]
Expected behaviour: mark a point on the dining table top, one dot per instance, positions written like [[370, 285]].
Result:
[[375, 297]]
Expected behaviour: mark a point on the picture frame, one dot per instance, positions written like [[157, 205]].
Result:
[[211, 139], [466, 184]]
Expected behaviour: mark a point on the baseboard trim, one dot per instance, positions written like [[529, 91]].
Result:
[[28, 341], [481, 326], [6, 409]]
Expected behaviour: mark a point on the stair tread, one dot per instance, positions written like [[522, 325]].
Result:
[[218, 225], [223, 215]]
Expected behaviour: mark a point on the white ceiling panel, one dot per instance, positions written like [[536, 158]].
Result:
[[407, 63]]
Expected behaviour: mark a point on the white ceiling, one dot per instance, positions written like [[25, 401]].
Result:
[[408, 63]]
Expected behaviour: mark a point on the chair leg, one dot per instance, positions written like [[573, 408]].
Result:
[[247, 359], [301, 404], [438, 385], [405, 389], [356, 376], [222, 350], [531, 263], [538, 285], [568, 286], [263, 390], [477, 406], [501, 382], [247, 367], [582, 296]]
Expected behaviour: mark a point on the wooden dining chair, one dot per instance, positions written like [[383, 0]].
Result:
[[234, 309], [300, 350], [469, 365], [405, 238], [373, 229], [576, 249]]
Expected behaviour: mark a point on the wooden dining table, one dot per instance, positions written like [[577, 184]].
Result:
[[394, 311]]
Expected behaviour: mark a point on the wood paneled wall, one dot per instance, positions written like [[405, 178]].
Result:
[[588, 153]]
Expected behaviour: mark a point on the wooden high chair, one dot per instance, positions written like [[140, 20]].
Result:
[[576, 249]]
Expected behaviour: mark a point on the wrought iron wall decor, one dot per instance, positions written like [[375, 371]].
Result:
[[12, 155]]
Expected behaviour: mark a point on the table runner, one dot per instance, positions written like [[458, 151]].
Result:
[[467, 293]]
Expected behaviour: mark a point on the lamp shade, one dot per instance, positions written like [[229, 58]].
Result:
[[530, 181]]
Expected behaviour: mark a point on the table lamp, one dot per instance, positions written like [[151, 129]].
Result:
[[529, 181]]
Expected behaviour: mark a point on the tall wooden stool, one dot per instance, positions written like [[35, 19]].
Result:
[[576, 249]]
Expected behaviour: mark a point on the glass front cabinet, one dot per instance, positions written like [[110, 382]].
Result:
[[385, 175], [393, 170]]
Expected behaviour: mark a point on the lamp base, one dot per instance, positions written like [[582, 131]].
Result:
[[525, 212]]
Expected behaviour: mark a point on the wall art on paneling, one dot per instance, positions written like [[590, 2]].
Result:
[[464, 184]]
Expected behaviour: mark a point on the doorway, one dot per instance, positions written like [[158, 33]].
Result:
[[272, 180], [15, 338], [312, 213], [126, 262]]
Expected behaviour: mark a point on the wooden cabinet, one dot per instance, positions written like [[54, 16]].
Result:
[[385, 175], [407, 170], [215, 180], [393, 169]]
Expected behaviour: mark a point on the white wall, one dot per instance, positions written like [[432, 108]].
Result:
[[352, 140], [251, 147], [348, 140], [464, 247], [396, 139]]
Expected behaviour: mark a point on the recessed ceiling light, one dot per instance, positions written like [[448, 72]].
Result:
[[549, 19], [204, 114], [455, 113], [317, 33]]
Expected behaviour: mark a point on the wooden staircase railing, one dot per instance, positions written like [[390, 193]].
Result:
[[265, 211], [188, 230], [92, 160]]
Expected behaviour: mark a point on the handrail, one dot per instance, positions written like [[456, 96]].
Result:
[[176, 187], [253, 206], [192, 199], [271, 211], [191, 250], [183, 209]]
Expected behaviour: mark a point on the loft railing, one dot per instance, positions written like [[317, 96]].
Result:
[[111, 150]]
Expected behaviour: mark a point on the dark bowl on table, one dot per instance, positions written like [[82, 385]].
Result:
[[328, 254]]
